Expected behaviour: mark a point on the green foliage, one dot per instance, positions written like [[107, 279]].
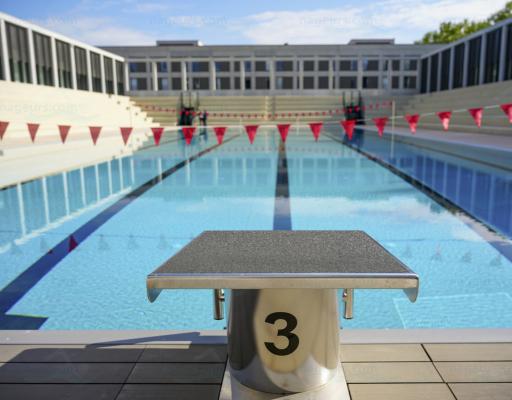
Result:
[[451, 31]]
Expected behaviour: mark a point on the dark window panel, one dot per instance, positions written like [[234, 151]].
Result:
[[445, 69], [492, 56], [19, 59], [81, 69]]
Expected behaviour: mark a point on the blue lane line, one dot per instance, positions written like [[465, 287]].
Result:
[[24, 282], [282, 210]]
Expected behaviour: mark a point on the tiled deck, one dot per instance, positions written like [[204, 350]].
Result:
[[183, 371]]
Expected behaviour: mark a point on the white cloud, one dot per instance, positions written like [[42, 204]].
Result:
[[405, 20], [97, 31]]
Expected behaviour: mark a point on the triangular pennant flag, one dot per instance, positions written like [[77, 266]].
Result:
[[445, 116], [380, 123], [32, 129], [283, 131], [477, 114], [188, 133], [63, 131], [349, 125], [95, 133], [316, 127], [125, 133], [507, 109], [219, 132], [413, 121], [72, 243], [251, 132], [3, 128], [157, 134]]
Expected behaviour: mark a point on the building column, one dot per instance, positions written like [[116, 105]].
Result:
[[483, 49], [465, 64], [127, 76], [331, 74], [54, 62], [66, 193], [5, 54], [503, 52], [359, 74], [213, 76], [89, 70], [242, 75], [154, 71], [450, 72], [429, 70], [32, 56], [114, 75], [301, 75], [73, 67], [102, 69], [439, 65], [272, 75], [21, 208], [184, 80]]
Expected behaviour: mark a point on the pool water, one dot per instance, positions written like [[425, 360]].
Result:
[[127, 216]]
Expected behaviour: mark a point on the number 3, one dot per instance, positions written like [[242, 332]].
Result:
[[293, 340]]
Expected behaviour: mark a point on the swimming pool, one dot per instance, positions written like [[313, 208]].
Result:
[[75, 248]]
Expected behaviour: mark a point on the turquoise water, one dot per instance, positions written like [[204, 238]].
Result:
[[464, 280]]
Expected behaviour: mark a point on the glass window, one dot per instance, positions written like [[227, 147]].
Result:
[[237, 82], [137, 67], [458, 66], [323, 65], [200, 66], [236, 66], [96, 72], [222, 66], [248, 66], [262, 66], [370, 65], [120, 77], [492, 56], [308, 82], [64, 64], [109, 75], [348, 82], [223, 83], [395, 65], [138, 84], [370, 82], [201, 83], [2, 74], [395, 82], [284, 66], [475, 46], [434, 72], [445, 69], [175, 66], [410, 65], [323, 82], [508, 53], [309, 65], [424, 74], [385, 65], [43, 53], [385, 83], [163, 84], [262, 83], [348, 65], [17, 46], [409, 82], [284, 83], [81, 68], [248, 84], [162, 66], [176, 83]]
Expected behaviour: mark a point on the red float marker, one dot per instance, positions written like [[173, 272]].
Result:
[[32, 129], [380, 123], [157, 134], [63, 131], [125, 133], [3, 128], [95, 133], [188, 133], [251, 132], [219, 132], [283, 131], [445, 116], [412, 120], [316, 128], [477, 114], [72, 244], [348, 125], [507, 109]]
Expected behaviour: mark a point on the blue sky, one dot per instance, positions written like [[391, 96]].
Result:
[[132, 22]]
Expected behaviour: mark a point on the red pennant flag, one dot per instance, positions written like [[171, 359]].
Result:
[[125, 133], [72, 244], [380, 123], [283, 131], [64, 130], [32, 129], [413, 121], [219, 132], [349, 125], [477, 114], [507, 109], [95, 133], [445, 116], [251, 132], [157, 134], [3, 128], [316, 127], [188, 133]]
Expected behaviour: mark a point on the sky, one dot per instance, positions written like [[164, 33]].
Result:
[[133, 22]]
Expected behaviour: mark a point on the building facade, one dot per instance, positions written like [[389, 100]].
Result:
[[34, 55]]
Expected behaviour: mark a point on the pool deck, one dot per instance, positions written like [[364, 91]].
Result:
[[378, 364]]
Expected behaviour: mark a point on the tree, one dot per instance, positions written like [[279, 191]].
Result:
[[451, 31]]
